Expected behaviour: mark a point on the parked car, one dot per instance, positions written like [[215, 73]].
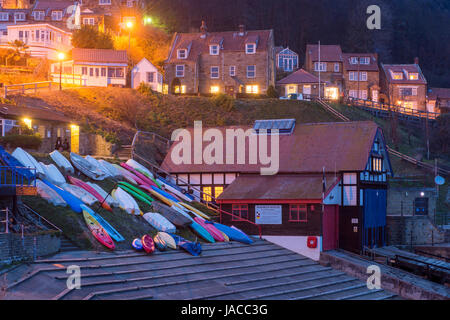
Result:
[[293, 96]]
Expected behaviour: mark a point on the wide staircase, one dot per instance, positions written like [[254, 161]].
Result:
[[230, 270]]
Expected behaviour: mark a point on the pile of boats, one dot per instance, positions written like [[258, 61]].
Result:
[[171, 205]]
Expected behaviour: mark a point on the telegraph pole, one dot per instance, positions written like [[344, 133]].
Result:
[[319, 69]]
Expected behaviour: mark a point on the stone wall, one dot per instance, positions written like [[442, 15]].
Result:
[[94, 144], [15, 248], [412, 230], [401, 201]]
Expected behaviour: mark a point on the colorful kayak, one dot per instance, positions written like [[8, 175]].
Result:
[[157, 195], [98, 165], [10, 161], [124, 174], [73, 202], [91, 190], [158, 222], [113, 171], [172, 215], [175, 189], [202, 232], [138, 174], [194, 248], [168, 239], [109, 199], [136, 190], [62, 161], [233, 233], [159, 243], [113, 233], [165, 194], [137, 244], [80, 193], [147, 244], [195, 210], [132, 175], [97, 231], [136, 195], [216, 234], [86, 167], [148, 176], [136, 165], [126, 201]]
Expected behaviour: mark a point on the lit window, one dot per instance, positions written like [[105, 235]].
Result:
[[180, 89], [218, 191], [182, 53], [413, 76], [214, 72], [56, 15], [214, 50], [88, 21], [207, 194], [250, 48], [298, 213], [179, 71], [377, 164], [397, 75], [322, 66], [232, 71], [239, 211], [363, 94], [251, 71], [251, 89], [215, 89]]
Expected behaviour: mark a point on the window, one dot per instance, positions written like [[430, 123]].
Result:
[[336, 67], [363, 76], [250, 48], [91, 72], [115, 72], [239, 211], [364, 60], [298, 213], [103, 72], [180, 89], [7, 125], [182, 53], [397, 75], [408, 91], [354, 60], [322, 66], [38, 15], [217, 191], [375, 95], [352, 76], [252, 89], [251, 71], [130, 3], [377, 164], [353, 93], [214, 50], [363, 94], [349, 189], [88, 21], [56, 15], [232, 71], [207, 194], [214, 89], [150, 76], [19, 16], [104, 2], [214, 72], [84, 71], [4, 16], [179, 73], [97, 72], [413, 76]]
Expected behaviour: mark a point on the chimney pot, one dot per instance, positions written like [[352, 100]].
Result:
[[416, 60], [203, 29], [241, 29]]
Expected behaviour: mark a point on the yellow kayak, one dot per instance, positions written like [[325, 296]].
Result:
[[191, 208]]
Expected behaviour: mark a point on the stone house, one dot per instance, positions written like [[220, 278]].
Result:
[[438, 100], [301, 81], [328, 61], [213, 62], [361, 75], [404, 85]]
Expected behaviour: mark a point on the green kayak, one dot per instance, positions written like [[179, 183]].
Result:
[[137, 195]]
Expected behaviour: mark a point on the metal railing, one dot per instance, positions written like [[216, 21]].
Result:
[[22, 88], [66, 78], [11, 176], [6, 221], [41, 220]]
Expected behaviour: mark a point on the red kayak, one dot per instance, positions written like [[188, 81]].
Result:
[[216, 234], [91, 190], [132, 175], [148, 244], [148, 181]]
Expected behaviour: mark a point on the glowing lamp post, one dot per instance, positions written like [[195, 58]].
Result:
[[61, 57], [129, 25]]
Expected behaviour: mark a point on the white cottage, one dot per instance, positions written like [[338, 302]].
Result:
[[146, 72], [93, 68]]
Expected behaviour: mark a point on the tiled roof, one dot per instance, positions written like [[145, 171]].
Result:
[[340, 146], [404, 69], [232, 41], [442, 93], [328, 53], [299, 76], [52, 5], [372, 66], [282, 187], [33, 113], [99, 55]]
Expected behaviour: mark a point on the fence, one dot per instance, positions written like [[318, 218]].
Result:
[[66, 78], [22, 88]]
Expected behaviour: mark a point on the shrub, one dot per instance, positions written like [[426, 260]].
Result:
[[272, 92], [223, 101], [22, 140]]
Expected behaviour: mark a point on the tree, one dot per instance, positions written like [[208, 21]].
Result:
[[18, 49], [90, 37]]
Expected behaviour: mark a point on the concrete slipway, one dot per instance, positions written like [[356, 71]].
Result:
[[224, 271]]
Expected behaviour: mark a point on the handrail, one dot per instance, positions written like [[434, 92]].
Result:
[[41, 217], [428, 264], [17, 178], [21, 87]]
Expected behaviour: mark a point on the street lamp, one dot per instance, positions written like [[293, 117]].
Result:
[[61, 57], [129, 25]]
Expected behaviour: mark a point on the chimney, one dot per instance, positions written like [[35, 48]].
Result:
[[203, 29], [241, 29], [416, 60]]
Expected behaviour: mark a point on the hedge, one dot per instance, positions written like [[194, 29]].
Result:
[[21, 140]]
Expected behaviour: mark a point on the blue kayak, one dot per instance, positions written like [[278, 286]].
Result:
[[72, 201], [202, 232], [111, 231], [165, 194], [137, 244], [193, 248], [232, 233], [187, 195], [10, 161]]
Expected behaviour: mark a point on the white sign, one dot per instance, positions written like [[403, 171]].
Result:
[[268, 214]]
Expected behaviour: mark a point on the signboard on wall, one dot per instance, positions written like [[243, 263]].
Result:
[[268, 214]]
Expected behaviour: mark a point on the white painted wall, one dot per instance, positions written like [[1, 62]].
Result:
[[139, 74], [297, 244]]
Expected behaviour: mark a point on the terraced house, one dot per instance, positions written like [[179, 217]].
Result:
[[230, 62], [362, 76]]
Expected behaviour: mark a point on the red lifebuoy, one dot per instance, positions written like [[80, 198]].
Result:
[[312, 242]]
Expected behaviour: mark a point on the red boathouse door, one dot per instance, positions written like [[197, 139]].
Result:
[[330, 230]]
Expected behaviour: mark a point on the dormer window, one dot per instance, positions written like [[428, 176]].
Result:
[[182, 53], [250, 48], [364, 60], [179, 72], [38, 15], [19, 16], [214, 50], [104, 2], [413, 76], [56, 15], [354, 60], [397, 75], [4, 16]]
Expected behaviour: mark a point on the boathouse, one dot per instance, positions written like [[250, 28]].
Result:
[[329, 192]]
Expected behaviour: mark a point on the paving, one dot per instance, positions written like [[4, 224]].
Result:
[[227, 270]]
